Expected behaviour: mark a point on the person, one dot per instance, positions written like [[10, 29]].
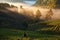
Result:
[[24, 35], [18, 39]]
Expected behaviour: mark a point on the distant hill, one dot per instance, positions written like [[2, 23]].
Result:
[[4, 5], [48, 3], [10, 19], [13, 19], [52, 25]]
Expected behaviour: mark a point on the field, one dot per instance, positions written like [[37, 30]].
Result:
[[30, 22], [47, 32], [14, 34], [13, 25]]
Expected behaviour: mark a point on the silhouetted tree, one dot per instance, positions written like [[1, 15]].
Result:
[[48, 3], [49, 14], [13, 6], [38, 14], [21, 6], [4, 5]]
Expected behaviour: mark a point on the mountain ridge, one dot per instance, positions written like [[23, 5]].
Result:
[[48, 3]]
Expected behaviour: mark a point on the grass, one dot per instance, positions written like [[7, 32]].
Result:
[[41, 34], [53, 22], [14, 34]]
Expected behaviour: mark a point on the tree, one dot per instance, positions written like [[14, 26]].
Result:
[[21, 6], [4, 5], [48, 3], [49, 14], [13, 6], [38, 14]]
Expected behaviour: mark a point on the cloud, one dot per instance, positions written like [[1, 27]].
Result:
[[16, 0], [28, 2], [11, 0]]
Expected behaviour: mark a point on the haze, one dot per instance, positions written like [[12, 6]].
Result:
[[27, 4]]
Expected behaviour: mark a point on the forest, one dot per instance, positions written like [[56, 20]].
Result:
[[48, 3]]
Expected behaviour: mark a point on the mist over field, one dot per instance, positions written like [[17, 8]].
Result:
[[29, 19], [27, 4], [43, 11]]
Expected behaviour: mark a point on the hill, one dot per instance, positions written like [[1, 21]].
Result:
[[14, 24], [52, 25], [10, 19], [13, 34], [48, 3]]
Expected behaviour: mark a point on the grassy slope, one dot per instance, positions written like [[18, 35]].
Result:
[[48, 3], [17, 34], [53, 24], [14, 34]]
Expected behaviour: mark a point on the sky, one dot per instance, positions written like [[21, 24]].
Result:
[[15, 0], [28, 2]]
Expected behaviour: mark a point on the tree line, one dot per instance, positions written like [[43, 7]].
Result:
[[4, 5], [48, 3]]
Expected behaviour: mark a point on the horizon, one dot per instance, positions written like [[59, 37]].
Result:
[[17, 3]]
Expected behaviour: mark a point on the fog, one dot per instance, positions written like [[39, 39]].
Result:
[[31, 10], [56, 12]]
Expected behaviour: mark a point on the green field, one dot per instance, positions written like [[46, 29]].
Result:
[[14, 34], [47, 32]]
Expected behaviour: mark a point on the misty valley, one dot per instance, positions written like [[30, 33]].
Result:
[[30, 20]]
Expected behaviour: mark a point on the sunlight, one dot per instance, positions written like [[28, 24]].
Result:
[[33, 9]]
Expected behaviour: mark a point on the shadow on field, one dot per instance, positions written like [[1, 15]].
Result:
[[10, 19], [4, 37]]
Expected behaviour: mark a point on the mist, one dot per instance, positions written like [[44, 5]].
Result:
[[27, 6], [28, 9]]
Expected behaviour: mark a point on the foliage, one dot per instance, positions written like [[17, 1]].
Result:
[[38, 14], [49, 15], [48, 3], [4, 5], [53, 25]]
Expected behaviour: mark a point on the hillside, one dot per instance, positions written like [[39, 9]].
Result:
[[13, 34], [14, 25], [48, 3], [10, 19], [52, 25]]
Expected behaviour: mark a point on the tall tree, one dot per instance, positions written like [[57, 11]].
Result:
[[49, 15], [38, 14]]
